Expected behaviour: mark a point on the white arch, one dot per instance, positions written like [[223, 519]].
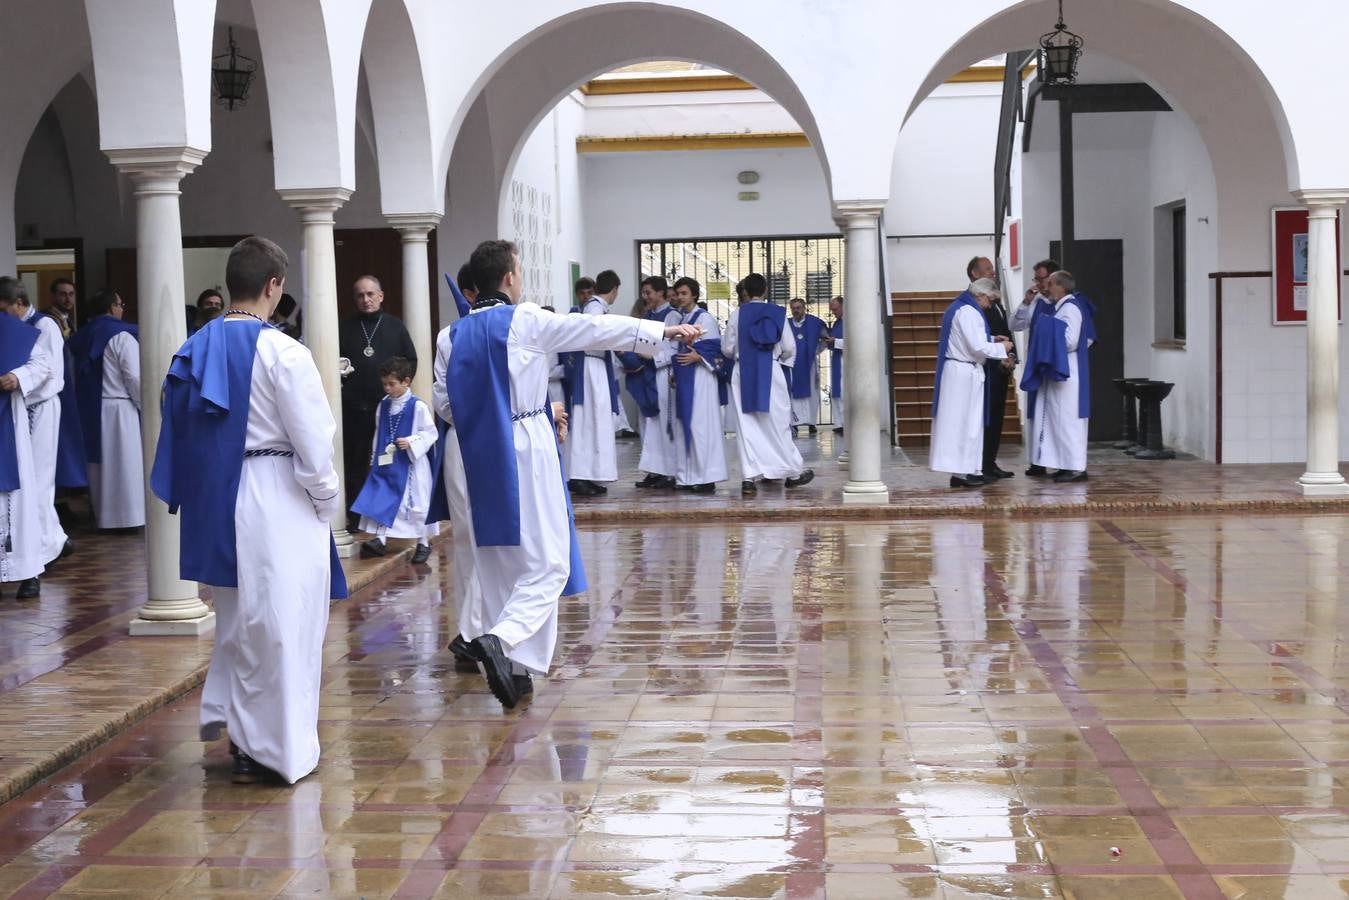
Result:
[[400, 102]]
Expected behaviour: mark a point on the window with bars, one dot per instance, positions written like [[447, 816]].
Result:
[[810, 267]]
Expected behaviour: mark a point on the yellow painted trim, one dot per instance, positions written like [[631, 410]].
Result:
[[666, 84], [733, 141]]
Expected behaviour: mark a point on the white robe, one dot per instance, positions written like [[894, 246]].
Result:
[[117, 485], [1058, 436], [765, 438], [806, 410], [20, 519], [662, 447], [590, 450], [958, 428], [42, 393], [410, 521], [467, 588], [520, 585], [704, 459], [263, 681]]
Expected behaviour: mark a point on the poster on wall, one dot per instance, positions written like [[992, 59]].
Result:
[[1290, 254], [1014, 244]]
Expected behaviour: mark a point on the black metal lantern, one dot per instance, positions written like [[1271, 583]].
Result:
[[1060, 51], [232, 73]]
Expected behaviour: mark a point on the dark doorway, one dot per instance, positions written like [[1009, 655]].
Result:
[[1098, 267], [379, 252]]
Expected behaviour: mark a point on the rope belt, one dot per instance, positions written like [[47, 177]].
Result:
[[600, 355], [116, 398], [520, 416], [267, 451], [965, 361]]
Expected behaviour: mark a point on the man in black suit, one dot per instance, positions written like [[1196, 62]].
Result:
[[996, 372]]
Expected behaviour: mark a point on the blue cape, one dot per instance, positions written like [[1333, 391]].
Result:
[[86, 347], [575, 377], [17, 340], [70, 471], [478, 382], [760, 329], [807, 335], [382, 493], [641, 378], [461, 303], [200, 456], [836, 361], [1047, 354], [944, 341]]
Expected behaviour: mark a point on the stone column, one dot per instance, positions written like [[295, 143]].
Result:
[[414, 229], [172, 605], [863, 368], [1323, 477], [317, 207]]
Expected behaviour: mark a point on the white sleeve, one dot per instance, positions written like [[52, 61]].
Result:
[[729, 342], [1072, 317], [33, 374], [969, 335], [1020, 319], [711, 332], [126, 353], [424, 434], [786, 349], [551, 333], [440, 395], [308, 422]]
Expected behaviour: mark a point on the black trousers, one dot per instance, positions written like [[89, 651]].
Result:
[[995, 383], [358, 431]]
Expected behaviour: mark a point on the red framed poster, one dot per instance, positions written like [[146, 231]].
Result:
[[1014, 244], [1289, 230]]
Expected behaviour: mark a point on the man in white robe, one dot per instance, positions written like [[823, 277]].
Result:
[[107, 354], [501, 387], [959, 404], [700, 442], [245, 456], [591, 453], [660, 435], [23, 360], [764, 436], [1058, 438]]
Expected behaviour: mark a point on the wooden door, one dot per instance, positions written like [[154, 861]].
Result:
[[1098, 267]]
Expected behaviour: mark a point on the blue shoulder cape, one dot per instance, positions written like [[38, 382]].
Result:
[[760, 327], [200, 456], [807, 335], [1047, 354], [384, 487], [17, 340], [86, 347]]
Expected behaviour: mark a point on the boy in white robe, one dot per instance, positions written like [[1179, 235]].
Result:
[[701, 445], [762, 348], [23, 360], [591, 452], [43, 396], [245, 455], [107, 357], [518, 519], [397, 492], [1060, 407], [660, 439], [958, 403]]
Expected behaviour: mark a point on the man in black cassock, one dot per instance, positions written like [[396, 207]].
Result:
[[996, 372], [368, 338]]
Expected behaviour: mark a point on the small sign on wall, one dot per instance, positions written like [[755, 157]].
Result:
[[1290, 255], [1014, 244]]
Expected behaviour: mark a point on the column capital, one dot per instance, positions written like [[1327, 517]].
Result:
[[413, 226], [1323, 198], [156, 168], [316, 205], [852, 210]]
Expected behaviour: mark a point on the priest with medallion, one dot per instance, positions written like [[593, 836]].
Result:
[[808, 332]]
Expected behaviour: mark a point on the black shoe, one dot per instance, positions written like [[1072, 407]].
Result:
[[421, 554], [465, 657], [683, 487], [29, 589], [805, 477], [748, 488], [993, 471], [67, 549], [1063, 476], [963, 481], [1037, 472], [497, 668], [524, 685], [248, 770], [372, 548], [796, 431], [582, 488], [838, 431], [813, 429], [708, 488], [597, 489], [651, 481], [625, 433]]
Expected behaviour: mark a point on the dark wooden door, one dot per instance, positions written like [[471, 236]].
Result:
[[379, 252], [1098, 267]]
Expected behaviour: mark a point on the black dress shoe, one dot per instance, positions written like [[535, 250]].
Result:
[[838, 431], [993, 471], [582, 488], [708, 488], [29, 589], [805, 477], [465, 657], [372, 548], [964, 481], [650, 481], [813, 429], [421, 554], [597, 488], [1063, 476], [683, 487], [524, 685], [748, 488], [497, 668], [67, 549], [248, 770], [1037, 472]]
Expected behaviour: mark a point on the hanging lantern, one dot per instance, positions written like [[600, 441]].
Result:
[[1060, 51], [232, 73]]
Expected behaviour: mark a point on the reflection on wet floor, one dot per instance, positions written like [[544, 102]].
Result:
[[1126, 708]]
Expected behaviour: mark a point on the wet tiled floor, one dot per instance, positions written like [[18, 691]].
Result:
[[1114, 707]]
